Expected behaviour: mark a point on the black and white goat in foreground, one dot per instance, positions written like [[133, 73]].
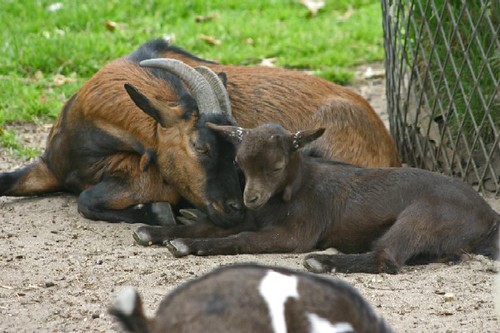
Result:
[[253, 298], [379, 218]]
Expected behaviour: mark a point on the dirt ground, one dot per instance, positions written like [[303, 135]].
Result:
[[60, 272]]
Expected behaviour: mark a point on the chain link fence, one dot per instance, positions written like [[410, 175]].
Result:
[[442, 66]]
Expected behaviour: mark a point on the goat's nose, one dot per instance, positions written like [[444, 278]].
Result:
[[234, 205], [252, 198]]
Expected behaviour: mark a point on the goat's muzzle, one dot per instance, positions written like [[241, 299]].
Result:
[[254, 200], [226, 214]]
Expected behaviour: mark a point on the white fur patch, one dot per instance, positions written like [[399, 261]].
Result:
[[125, 301], [321, 325], [276, 288]]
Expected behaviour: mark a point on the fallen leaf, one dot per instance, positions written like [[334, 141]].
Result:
[[348, 13], [111, 25], [54, 7], [60, 79], [313, 5], [370, 73], [38, 75], [169, 38], [210, 39], [268, 62], [208, 17]]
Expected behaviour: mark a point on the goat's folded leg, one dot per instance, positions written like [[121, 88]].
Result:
[[370, 262], [115, 200], [274, 240]]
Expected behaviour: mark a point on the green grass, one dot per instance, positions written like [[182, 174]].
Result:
[[37, 44]]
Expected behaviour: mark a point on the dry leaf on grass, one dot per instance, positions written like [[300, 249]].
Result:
[[210, 39], [268, 62], [208, 17], [348, 13], [60, 79], [111, 25], [313, 5]]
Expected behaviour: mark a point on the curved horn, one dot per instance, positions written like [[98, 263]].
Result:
[[217, 86], [197, 84]]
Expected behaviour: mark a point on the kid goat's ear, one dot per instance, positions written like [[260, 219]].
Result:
[[233, 134], [301, 138]]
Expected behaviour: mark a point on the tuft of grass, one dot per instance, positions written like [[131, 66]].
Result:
[[39, 46], [9, 141]]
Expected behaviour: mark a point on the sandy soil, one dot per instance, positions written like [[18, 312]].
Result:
[[60, 272]]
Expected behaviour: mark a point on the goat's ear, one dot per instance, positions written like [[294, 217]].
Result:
[[223, 77], [128, 310], [301, 138], [160, 111], [233, 134]]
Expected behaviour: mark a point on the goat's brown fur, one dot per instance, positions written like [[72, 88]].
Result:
[[354, 133], [102, 138], [381, 218]]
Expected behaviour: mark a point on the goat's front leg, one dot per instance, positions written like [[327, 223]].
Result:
[[274, 240], [117, 200], [370, 262], [149, 235]]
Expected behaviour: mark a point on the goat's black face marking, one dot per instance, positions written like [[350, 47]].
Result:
[[223, 189]]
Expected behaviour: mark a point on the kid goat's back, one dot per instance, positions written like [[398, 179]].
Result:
[[254, 298], [380, 218]]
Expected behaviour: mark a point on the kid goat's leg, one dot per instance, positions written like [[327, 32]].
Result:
[[149, 235], [274, 240], [434, 229]]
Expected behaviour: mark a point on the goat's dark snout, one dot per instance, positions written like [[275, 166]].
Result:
[[234, 205]]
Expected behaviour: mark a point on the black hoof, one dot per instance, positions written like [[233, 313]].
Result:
[[189, 216], [143, 237], [163, 213], [177, 247], [314, 264]]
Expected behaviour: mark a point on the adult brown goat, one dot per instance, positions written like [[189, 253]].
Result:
[[127, 162], [253, 298], [381, 218]]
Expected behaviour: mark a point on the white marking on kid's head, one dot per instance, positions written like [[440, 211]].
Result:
[[276, 288], [321, 325]]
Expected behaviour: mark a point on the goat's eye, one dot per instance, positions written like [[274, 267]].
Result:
[[201, 148], [278, 167]]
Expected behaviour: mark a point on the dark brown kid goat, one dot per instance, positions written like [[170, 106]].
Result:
[[381, 218], [129, 151], [253, 298]]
